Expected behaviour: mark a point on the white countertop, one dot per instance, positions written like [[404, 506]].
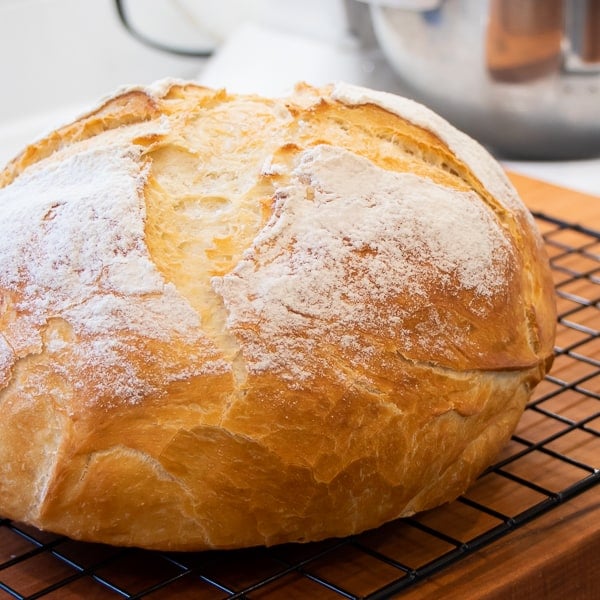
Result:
[[92, 55]]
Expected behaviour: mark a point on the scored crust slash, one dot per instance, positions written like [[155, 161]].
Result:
[[228, 320]]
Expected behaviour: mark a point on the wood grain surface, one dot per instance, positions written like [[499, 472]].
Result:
[[558, 202]]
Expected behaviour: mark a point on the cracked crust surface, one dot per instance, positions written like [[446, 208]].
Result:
[[229, 320]]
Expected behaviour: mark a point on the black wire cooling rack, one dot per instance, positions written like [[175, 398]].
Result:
[[552, 457]]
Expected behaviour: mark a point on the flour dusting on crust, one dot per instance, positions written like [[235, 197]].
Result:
[[346, 241], [487, 170], [73, 248]]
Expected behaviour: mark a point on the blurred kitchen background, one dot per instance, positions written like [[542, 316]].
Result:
[[522, 76]]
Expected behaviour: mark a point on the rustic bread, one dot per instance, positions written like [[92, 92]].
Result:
[[228, 320]]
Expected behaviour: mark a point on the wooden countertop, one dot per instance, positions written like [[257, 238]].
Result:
[[556, 557], [559, 202]]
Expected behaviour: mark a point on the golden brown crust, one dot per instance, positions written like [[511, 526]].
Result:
[[229, 321], [125, 109]]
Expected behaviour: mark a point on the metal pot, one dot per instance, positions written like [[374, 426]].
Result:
[[522, 76]]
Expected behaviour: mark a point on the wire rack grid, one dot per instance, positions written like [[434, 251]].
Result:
[[552, 457]]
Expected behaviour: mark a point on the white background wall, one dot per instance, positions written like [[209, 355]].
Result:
[[59, 56], [54, 52], [57, 52]]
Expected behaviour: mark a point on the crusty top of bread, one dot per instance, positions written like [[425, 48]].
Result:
[[230, 296]]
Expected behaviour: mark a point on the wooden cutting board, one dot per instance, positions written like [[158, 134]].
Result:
[[559, 202]]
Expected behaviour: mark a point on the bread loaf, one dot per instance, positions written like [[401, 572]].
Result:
[[229, 321]]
